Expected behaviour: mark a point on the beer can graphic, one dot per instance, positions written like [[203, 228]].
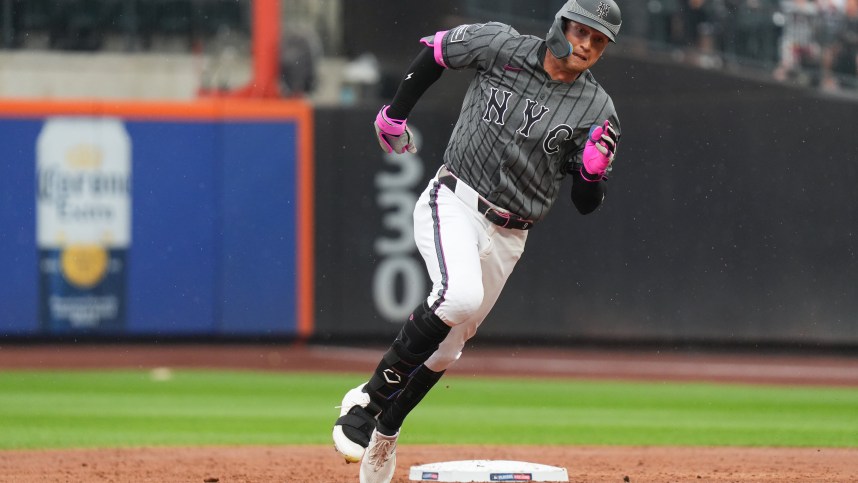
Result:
[[83, 223]]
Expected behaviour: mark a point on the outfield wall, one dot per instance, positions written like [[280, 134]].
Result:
[[156, 219], [732, 217]]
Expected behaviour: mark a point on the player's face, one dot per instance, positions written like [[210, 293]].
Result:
[[588, 44]]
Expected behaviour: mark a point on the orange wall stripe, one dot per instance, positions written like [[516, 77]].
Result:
[[204, 109], [306, 229]]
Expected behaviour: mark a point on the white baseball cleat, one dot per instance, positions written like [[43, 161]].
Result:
[[355, 425], [379, 461]]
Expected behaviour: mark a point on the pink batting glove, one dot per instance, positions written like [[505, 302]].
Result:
[[393, 135], [600, 148]]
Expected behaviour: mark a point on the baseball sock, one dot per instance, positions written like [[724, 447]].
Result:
[[418, 386], [418, 339]]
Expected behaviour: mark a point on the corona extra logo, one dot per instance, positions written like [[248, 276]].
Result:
[[83, 221], [603, 9]]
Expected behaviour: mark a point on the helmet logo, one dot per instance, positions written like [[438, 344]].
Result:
[[603, 9]]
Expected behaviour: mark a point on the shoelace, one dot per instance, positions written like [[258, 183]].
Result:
[[381, 453]]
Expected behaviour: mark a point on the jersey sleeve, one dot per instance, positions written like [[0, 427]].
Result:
[[473, 46]]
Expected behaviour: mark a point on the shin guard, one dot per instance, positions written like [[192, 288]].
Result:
[[416, 342]]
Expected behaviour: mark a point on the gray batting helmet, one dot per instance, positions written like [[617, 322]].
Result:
[[602, 15]]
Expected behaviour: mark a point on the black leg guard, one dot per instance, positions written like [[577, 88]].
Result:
[[393, 373], [418, 339], [418, 386]]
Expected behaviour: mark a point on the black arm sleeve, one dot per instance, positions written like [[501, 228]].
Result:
[[422, 73], [587, 195]]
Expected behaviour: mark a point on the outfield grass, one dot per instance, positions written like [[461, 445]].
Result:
[[128, 408]]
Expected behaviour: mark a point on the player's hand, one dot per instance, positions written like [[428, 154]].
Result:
[[393, 135], [600, 148]]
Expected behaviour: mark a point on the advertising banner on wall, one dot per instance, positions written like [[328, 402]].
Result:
[[83, 223]]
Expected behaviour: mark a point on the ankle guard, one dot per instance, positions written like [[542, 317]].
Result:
[[359, 422], [418, 386]]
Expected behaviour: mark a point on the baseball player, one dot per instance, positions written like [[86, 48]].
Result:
[[533, 115]]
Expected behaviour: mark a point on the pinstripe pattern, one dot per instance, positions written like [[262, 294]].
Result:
[[439, 249], [490, 149]]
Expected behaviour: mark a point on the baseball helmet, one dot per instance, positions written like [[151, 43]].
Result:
[[602, 15]]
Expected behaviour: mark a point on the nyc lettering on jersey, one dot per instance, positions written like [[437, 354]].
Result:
[[496, 107]]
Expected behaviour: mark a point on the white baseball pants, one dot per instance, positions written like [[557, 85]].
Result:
[[468, 259]]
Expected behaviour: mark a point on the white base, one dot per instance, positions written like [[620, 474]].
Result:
[[487, 470]]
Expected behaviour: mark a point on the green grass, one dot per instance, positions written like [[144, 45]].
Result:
[[127, 408]]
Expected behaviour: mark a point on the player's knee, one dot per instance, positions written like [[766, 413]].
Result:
[[460, 305]]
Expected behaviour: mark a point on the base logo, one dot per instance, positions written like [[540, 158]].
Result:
[[510, 477], [429, 476]]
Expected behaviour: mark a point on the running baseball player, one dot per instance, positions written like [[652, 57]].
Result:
[[532, 115]]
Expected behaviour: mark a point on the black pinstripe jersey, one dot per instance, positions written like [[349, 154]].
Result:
[[518, 130]]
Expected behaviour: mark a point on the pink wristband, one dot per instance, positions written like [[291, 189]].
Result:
[[393, 127], [582, 170]]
